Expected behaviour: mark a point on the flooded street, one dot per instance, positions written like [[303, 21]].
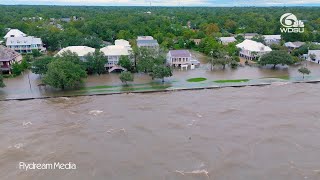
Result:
[[245, 133], [20, 87]]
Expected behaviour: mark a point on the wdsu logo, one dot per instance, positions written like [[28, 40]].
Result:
[[291, 24]]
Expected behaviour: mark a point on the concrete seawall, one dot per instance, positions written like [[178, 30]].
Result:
[[163, 90]]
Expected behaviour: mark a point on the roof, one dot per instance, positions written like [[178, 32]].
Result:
[[147, 42], [122, 42], [80, 50], [23, 41], [253, 46], [14, 33], [296, 44], [251, 34], [272, 37], [315, 52], [7, 54], [145, 38], [116, 50], [180, 53], [227, 39]]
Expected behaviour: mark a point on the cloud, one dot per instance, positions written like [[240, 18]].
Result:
[[168, 2]]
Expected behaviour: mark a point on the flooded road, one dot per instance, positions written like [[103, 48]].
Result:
[[246, 133], [26, 86]]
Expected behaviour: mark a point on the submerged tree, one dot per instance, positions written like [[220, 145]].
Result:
[[95, 62], [276, 57], [40, 66], [64, 74], [126, 77], [125, 62], [303, 71], [161, 72]]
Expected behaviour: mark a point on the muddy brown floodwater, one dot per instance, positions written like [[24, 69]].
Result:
[[246, 133]]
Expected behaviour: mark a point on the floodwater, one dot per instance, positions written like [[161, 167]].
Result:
[[26, 85], [245, 133]]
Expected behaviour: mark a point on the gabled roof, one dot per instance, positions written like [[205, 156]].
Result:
[[227, 39], [7, 54], [23, 41], [253, 46], [116, 50], [180, 53], [270, 37], [122, 42], [145, 38], [147, 42], [14, 33], [80, 50], [296, 44]]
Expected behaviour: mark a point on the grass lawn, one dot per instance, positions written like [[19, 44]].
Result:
[[279, 77], [231, 80], [199, 79], [97, 87]]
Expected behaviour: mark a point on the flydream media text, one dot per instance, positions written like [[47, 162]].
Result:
[[47, 166]]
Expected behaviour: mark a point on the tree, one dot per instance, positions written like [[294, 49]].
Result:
[[64, 74], [1, 82], [96, 62], [161, 71], [36, 53], [303, 71], [16, 69], [146, 59], [259, 38], [72, 57], [219, 57], [125, 62], [126, 76], [275, 58], [40, 66]]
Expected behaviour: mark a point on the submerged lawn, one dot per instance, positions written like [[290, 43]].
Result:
[[199, 79], [231, 80], [279, 77]]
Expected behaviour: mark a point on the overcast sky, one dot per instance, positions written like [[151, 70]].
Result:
[[167, 2]]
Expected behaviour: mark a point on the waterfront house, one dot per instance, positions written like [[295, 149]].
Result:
[[114, 52], [179, 58], [81, 51], [147, 42], [314, 56], [293, 45], [14, 33], [272, 39], [7, 58], [25, 44], [252, 49], [227, 40]]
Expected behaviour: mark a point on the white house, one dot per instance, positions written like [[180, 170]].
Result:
[[81, 51], [272, 39], [114, 52], [179, 58], [252, 49], [147, 42], [14, 33], [25, 44], [227, 40], [314, 56], [293, 45]]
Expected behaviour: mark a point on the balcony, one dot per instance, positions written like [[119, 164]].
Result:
[[5, 68]]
